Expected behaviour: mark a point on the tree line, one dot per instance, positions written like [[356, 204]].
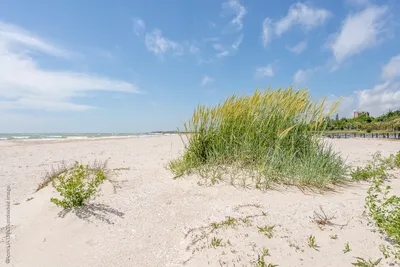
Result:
[[389, 121]]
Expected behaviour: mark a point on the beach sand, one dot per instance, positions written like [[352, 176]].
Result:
[[146, 218]]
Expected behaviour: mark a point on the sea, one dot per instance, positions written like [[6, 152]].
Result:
[[70, 136]]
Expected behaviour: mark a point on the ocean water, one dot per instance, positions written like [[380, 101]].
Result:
[[67, 136]]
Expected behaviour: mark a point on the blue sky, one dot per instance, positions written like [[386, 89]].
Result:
[[135, 66]]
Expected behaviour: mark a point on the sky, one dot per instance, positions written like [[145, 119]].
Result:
[[139, 66]]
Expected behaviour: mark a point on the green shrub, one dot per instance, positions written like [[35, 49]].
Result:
[[76, 185], [384, 210], [391, 162], [274, 133], [368, 172]]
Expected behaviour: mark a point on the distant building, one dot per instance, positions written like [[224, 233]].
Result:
[[359, 113]]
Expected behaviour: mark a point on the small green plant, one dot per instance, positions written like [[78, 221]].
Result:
[[29, 198], [265, 213], [346, 248], [228, 222], [363, 263], [77, 185], [266, 230], [368, 172], [311, 242], [334, 237], [384, 210], [265, 252], [216, 242], [261, 259]]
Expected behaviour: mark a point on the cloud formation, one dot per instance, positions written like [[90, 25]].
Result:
[[302, 75], [206, 80], [265, 71], [302, 14], [392, 69], [358, 2], [379, 99], [359, 31], [298, 48], [159, 44], [15, 39], [267, 32], [139, 26], [238, 10], [26, 85]]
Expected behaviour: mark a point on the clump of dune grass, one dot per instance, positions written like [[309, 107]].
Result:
[[274, 133]]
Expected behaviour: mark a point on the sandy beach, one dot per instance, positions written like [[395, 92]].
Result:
[[144, 217]]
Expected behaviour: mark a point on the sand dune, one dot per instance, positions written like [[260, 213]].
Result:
[[143, 217]]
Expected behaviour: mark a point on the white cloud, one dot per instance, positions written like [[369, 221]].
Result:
[[301, 14], [359, 31], [158, 44], [138, 26], [206, 80], [218, 47], [237, 43], [298, 48], [225, 46], [265, 71], [382, 98], [392, 69], [302, 75], [194, 49], [358, 2], [25, 85], [379, 99], [267, 33], [238, 9], [17, 38], [222, 51]]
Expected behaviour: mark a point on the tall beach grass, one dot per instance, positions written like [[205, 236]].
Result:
[[274, 133]]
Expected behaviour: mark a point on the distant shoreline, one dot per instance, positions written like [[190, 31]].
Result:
[[34, 137]]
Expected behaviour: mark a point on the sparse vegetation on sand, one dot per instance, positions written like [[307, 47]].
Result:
[[376, 168], [382, 208], [363, 263], [347, 248], [77, 185], [63, 167], [311, 242], [260, 262], [272, 133]]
